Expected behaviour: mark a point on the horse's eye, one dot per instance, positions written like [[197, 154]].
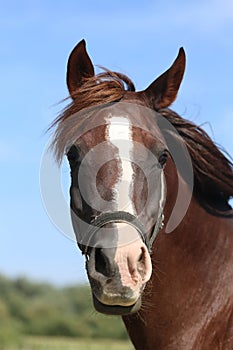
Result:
[[163, 158], [73, 154]]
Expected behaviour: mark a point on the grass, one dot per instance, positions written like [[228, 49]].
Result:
[[56, 343]]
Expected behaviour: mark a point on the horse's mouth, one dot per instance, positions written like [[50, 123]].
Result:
[[116, 309]]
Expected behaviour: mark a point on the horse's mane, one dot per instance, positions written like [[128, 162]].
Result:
[[213, 171]]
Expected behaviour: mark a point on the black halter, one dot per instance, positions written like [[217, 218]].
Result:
[[123, 216]]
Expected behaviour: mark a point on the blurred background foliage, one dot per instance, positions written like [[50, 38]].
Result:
[[40, 309]]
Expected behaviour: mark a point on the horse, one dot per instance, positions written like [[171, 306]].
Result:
[[171, 280]]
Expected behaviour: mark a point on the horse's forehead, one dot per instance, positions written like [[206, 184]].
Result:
[[130, 123]]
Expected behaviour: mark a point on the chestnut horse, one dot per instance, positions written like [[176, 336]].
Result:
[[174, 291]]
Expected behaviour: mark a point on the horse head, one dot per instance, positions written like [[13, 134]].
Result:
[[117, 156]]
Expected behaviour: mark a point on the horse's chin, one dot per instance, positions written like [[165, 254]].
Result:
[[116, 309]]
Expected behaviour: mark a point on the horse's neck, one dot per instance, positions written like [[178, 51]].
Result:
[[191, 286]]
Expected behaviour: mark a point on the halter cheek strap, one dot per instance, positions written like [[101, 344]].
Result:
[[160, 220]]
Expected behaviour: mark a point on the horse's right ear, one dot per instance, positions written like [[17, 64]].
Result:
[[79, 66]]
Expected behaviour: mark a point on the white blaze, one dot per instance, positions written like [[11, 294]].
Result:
[[119, 133], [130, 245]]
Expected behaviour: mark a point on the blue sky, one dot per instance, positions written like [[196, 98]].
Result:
[[140, 40]]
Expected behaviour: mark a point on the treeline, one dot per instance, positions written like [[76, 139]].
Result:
[[29, 308]]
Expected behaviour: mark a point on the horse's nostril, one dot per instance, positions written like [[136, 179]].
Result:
[[141, 256], [100, 262], [103, 263]]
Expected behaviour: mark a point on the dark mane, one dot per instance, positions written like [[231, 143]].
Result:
[[213, 171]]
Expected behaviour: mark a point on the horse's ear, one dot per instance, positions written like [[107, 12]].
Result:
[[162, 92], [79, 66]]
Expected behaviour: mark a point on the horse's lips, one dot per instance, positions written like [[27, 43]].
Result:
[[115, 309]]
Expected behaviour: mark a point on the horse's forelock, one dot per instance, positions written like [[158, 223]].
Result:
[[102, 89]]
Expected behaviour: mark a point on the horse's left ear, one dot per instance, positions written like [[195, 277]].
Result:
[[162, 92], [79, 66]]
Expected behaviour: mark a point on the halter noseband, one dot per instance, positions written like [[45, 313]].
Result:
[[125, 217]]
